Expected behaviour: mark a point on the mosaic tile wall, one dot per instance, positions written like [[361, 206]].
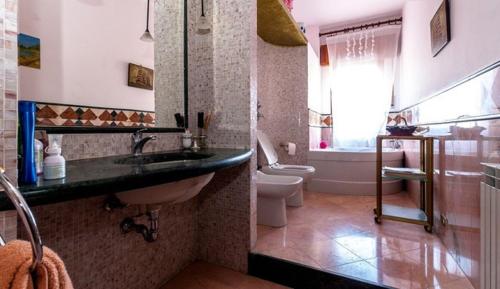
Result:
[[227, 213], [221, 219], [86, 146], [48, 114], [88, 238], [8, 225], [169, 61], [97, 255], [282, 87], [201, 66], [218, 226], [8, 104]]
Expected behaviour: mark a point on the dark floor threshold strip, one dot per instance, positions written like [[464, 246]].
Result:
[[298, 276]]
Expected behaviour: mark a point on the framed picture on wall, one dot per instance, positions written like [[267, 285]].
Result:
[[140, 77], [29, 51], [440, 28]]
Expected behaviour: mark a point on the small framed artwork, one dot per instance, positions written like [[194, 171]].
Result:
[[440, 28], [140, 77], [29, 51]]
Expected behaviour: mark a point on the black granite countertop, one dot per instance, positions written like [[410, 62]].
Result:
[[101, 176]]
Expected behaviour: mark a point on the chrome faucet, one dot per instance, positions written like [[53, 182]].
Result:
[[138, 141]]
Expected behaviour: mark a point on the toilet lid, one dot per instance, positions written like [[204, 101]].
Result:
[[267, 147]]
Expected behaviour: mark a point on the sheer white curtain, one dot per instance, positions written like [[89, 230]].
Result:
[[361, 79]]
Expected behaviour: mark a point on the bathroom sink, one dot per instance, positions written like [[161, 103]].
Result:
[[173, 192], [162, 158]]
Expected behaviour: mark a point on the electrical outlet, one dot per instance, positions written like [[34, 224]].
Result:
[[444, 220]]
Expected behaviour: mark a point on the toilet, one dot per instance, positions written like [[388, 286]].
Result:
[[272, 190], [275, 168]]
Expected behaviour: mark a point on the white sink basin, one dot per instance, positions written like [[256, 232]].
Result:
[[174, 192]]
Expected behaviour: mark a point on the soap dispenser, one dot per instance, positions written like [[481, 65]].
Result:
[[54, 165]]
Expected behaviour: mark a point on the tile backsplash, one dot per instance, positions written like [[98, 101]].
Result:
[[85, 146], [8, 104]]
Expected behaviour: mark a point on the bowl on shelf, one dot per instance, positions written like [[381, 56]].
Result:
[[401, 130]]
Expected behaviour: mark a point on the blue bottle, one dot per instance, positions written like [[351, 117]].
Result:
[[27, 175]]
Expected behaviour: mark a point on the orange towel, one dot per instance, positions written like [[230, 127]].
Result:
[[15, 262]]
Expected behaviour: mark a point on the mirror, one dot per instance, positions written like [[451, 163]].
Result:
[[87, 62]]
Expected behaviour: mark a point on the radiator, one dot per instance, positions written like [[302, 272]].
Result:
[[490, 233]]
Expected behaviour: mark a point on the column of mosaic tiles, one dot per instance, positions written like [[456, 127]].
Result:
[[288, 123], [8, 105], [169, 61], [201, 75], [227, 205]]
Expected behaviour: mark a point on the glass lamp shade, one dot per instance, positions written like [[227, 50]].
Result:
[[147, 37], [202, 26]]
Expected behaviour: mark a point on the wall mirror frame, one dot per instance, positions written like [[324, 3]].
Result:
[[34, 24]]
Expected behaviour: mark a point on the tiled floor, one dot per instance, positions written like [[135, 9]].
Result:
[[201, 275], [338, 234]]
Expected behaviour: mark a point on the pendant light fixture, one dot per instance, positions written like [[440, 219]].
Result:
[[147, 37], [202, 27]]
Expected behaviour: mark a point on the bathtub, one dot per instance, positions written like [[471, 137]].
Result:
[[351, 171]]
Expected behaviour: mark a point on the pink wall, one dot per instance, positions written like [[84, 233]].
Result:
[[475, 43], [457, 192], [86, 47], [459, 150]]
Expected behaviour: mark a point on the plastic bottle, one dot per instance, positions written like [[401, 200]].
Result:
[[27, 174], [187, 139], [39, 157], [54, 165]]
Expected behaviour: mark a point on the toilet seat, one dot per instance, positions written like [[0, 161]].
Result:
[[305, 172]]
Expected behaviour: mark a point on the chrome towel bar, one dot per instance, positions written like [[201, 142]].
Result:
[[26, 217]]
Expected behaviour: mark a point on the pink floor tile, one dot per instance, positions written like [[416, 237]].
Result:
[[338, 234]]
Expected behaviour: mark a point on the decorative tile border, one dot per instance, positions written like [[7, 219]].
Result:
[[321, 120], [49, 114]]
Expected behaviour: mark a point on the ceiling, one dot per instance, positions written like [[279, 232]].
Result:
[[339, 12]]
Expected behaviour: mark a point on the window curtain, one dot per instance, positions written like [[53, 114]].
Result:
[[361, 80]]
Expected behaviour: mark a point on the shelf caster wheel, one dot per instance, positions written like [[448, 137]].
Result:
[[428, 228], [375, 211], [378, 220]]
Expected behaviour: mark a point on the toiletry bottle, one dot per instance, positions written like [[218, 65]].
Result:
[[187, 139], [27, 175], [54, 165], [39, 157]]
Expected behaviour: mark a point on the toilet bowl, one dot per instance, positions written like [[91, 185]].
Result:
[[274, 168], [272, 190]]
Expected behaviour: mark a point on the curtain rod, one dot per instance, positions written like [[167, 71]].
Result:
[[364, 26]]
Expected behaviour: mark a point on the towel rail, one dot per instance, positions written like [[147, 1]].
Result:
[[26, 216]]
